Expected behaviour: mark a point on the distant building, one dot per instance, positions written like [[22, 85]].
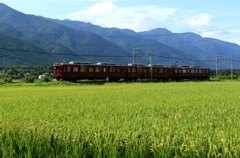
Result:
[[26, 74], [46, 74]]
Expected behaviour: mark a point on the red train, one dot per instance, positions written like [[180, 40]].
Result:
[[111, 72]]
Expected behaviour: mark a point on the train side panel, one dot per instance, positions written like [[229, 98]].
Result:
[[191, 73], [73, 72]]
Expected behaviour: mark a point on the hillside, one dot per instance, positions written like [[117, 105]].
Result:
[[51, 37], [10, 57], [34, 40], [191, 47], [163, 54]]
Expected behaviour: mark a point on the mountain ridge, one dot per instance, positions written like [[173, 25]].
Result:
[[50, 36], [89, 42]]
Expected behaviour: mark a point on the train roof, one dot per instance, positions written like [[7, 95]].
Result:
[[130, 64], [79, 62], [135, 64], [105, 63], [158, 65]]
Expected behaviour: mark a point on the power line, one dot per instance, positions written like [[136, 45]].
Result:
[[65, 54], [184, 59], [95, 55], [112, 56], [220, 29]]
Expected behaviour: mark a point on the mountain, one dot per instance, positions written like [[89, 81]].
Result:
[[35, 40], [188, 45], [53, 39], [173, 40], [199, 47], [20, 58], [163, 54]]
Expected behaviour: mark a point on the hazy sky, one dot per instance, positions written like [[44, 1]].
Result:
[[210, 18]]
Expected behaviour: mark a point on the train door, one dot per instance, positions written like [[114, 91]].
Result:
[[126, 70], [55, 70]]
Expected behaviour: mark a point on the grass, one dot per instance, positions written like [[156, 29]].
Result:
[[185, 119]]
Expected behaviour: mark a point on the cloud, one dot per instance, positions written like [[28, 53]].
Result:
[[197, 21], [106, 14]]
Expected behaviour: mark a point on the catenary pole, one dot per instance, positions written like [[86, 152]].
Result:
[[217, 61], [151, 63], [232, 67]]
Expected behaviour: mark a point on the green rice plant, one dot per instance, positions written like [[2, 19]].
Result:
[[186, 119]]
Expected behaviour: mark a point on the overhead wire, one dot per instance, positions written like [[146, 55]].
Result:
[[64, 54], [99, 56]]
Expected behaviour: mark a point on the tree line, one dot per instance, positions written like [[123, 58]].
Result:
[[19, 72]]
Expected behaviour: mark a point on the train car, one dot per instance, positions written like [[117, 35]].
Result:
[[111, 72], [76, 71], [156, 72], [191, 72], [135, 71], [161, 72]]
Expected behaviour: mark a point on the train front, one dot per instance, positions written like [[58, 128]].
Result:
[[57, 71]]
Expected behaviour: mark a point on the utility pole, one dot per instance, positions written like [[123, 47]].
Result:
[[151, 63], [232, 67], [150, 57], [175, 63], [3, 67], [135, 49], [217, 61]]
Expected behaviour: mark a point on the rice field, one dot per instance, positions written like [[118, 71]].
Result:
[[175, 119]]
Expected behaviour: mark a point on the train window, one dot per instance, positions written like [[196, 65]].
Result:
[[176, 71], [207, 71], [69, 69], [104, 69], [200, 71], [83, 69], [90, 69], [139, 69], [204, 71], [150, 69], [192, 70], [188, 70], [75, 69], [57, 68], [196, 71], [98, 69], [133, 69], [129, 69], [118, 70], [184, 71], [145, 70], [112, 69], [165, 71], [155, 70], [160, 70], [64, 69], [179, 70]]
